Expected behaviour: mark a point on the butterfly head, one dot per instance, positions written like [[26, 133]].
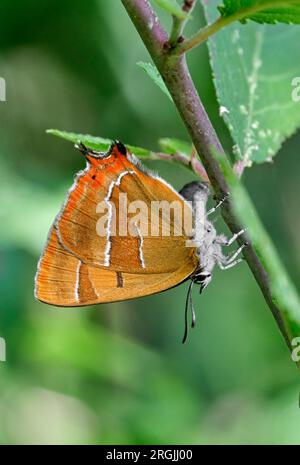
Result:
[[195, 190], [119, 147]]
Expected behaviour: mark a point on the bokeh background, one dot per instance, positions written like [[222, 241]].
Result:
[[118, 373]]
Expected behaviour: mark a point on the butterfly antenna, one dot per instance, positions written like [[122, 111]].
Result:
[[82, 148], [86, 150], [192, 307], [188, 303]]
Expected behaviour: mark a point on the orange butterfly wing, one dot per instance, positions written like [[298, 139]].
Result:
[[63, 280], [80, 266]]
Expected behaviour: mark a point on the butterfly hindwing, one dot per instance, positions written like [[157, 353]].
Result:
[[63, 280]]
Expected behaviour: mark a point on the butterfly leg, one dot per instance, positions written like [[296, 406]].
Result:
[[230, 265], [234, 238], [228, 262], [235, 255], [212, 210]]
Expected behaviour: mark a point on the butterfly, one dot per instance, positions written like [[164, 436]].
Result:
[[79, 266]]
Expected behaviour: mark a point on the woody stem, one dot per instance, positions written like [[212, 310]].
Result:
[[175, 73]]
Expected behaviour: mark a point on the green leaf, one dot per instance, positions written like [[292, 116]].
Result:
[[283, 291], [140, 152], [97, 143], [254, 67], [264, 11], [155, 76], [171, 6], [173, 146]]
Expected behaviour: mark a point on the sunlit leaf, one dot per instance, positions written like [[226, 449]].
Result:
[[254, 69]]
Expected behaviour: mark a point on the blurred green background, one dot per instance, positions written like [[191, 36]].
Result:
[[118, 373]]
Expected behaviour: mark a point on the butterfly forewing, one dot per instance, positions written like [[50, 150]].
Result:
[[82, 265]]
